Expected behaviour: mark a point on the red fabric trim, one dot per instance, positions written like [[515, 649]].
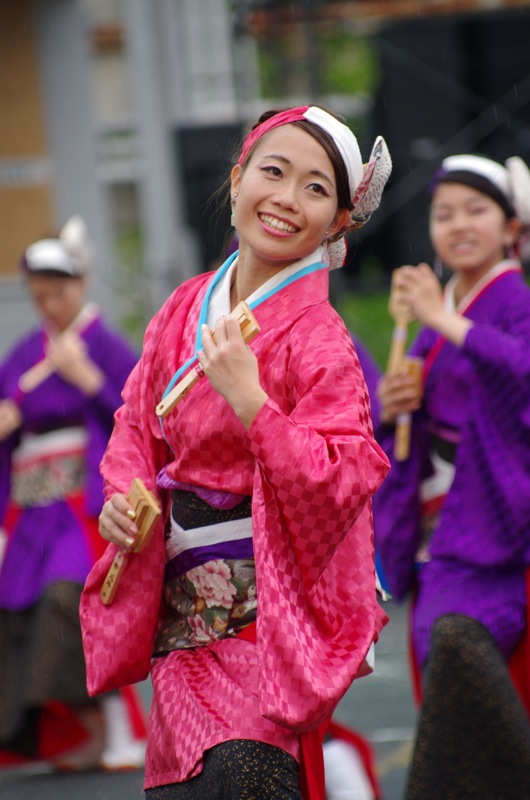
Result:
[[59, 731], [282, 118], [135, 711], [11, 518], [519, 663], [312, 782], [90, 526], [415, 672], [433, 506], [248, 633], [10, 759], [312, 779], [431, 357]]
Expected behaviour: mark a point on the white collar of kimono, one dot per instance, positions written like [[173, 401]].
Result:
[[219, 304], [220, 284], [494, 272]]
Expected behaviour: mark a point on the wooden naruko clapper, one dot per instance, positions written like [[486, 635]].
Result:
[[249, 329], [147, 511]]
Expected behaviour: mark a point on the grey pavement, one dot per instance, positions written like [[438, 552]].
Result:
[[379, 706]]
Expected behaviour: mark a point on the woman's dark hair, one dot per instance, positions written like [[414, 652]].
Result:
[[51, 273], [474, 181]]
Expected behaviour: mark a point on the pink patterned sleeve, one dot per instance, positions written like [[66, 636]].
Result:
[[317, 469], [137, 447], [321, 462]]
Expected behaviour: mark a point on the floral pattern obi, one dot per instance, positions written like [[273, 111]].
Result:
[[210, 576], [48, 467]]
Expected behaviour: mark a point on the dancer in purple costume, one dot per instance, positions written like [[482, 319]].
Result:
[[453, 519], [59, 387]]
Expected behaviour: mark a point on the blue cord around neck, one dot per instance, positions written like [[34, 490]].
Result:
[[203, 316]]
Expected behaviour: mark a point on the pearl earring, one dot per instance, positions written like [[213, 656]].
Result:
[[232, 217], [325, 251]]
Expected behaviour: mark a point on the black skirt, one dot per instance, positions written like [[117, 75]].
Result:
[[41, 660], [238, 770]]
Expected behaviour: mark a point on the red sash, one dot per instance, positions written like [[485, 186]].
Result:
[[312, 783]]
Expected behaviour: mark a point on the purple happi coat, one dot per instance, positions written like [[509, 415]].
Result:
[[479, 397], [50, 541]]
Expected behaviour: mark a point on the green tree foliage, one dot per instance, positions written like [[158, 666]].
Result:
[[350, 64], [314, 57]]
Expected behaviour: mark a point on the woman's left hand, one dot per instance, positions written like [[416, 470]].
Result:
[[116, 522], [232, 368]]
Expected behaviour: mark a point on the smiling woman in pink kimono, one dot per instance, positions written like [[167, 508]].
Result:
[[266, 469]]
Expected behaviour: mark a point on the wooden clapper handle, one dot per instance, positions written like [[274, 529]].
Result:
[[35, 375], [147, 511], [249, 329], [396, 361]]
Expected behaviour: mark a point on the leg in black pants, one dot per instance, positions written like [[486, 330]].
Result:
[[473, 736]]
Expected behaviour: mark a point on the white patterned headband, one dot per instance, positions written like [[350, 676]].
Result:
[[511, 180], [70, 253], [342, 136]]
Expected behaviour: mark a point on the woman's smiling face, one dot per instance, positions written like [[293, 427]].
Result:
[[286, 198]]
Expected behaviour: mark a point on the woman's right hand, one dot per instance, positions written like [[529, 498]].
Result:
[[116, 522], [398, 394]]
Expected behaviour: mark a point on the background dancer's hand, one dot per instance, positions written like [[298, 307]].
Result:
[[10, 418], [116, 522], [398, 394], [232, 369], [69, 357], [421, 290]]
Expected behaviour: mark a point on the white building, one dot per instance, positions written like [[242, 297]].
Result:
[[99, 101]]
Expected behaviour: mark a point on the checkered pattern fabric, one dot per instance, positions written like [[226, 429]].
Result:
[[311, 464], [202, 697], [118, 638]]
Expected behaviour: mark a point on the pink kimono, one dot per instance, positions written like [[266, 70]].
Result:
[[311, 464]]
